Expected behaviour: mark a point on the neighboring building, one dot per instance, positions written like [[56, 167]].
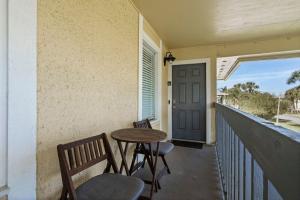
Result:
[[221, 97]]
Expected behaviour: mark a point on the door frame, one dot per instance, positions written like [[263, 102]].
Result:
[[22, 99], [208, 95]]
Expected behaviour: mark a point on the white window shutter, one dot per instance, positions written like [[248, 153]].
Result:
[[148, 84]]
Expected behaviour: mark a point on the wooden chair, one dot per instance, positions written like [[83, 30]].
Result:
[[164, 147], [77, 156]]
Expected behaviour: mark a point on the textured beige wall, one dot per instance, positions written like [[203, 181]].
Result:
[[87, 77], [234, 49], [151, 32]]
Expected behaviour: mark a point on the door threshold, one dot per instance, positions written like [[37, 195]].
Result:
[[194, 141], [189, 144]]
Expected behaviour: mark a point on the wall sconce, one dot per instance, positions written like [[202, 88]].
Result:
[[169, 57]]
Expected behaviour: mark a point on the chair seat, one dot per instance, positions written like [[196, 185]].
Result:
[[164, 147], [110, 187]]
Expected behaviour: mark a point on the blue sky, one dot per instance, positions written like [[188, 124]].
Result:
[[270, 75]]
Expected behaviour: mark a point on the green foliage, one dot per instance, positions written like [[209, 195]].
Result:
[[293, 95], [263, 104], [246, 96], [295, 76]]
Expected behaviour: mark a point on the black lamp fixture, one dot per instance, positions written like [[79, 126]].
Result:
[[169, 57]]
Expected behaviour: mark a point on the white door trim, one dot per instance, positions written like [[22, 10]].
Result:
[[3, 96], [208, 95], [144, 37], [22, 98]]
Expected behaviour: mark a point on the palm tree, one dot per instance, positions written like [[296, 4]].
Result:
[[250, 87], [235, 94], [295, 76], [293, 95], [224, 89]]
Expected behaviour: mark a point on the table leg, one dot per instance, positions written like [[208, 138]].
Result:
[[122, 163], [123, 156], [151, 164], [149, 157], [154, 170], [134, 158]]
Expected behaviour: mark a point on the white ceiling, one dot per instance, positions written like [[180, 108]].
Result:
[[183, 23]]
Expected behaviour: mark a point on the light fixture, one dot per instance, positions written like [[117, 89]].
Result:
[[169, 57]]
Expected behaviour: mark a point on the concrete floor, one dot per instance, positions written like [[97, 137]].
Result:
[[194, 176]]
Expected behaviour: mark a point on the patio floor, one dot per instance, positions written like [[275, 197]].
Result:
[[194, 175]]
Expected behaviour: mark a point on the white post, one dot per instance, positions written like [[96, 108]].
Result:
[[278, 110]]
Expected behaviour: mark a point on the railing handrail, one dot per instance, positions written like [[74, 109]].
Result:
[[293, 135], [276, 150]]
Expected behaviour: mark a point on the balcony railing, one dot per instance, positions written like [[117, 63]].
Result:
[[257, 159]]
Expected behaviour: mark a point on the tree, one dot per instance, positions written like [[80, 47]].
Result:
[[224, 89], [235, 93], [250, 87], [293, 95], [295, 76]]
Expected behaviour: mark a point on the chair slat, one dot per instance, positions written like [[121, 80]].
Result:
[[100, 147], [87, 154], [77, 156], [82, 154], [92, 150], [71, 158], [96, 148]]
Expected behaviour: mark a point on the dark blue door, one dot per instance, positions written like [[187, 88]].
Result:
[[189, 102]]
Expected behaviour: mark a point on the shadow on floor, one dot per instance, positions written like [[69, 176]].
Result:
[[194, 176]]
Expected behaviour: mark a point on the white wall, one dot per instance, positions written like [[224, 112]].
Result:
[[22, 91], [3, 92]]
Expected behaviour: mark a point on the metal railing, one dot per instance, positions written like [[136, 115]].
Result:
[[257, 160]]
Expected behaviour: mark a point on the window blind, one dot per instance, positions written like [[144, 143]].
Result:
[[148, 84]]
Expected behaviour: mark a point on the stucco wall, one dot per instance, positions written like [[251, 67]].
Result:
[[87, 77], [233, 49]]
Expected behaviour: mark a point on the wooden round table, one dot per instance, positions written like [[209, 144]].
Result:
[[139, 136]]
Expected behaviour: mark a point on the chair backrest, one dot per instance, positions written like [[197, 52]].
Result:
[[79, 155], [142, 124]]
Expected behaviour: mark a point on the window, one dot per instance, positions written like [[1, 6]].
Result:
[[149, 83]]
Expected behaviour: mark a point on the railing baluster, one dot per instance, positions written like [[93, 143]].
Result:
[[236, 168], [233, 163], [252, 178], [244, 172], [258, 182], [241, 170], [227, 160], [248, 176], [265, 188]]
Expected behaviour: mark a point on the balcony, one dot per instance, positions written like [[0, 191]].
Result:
[[74, 69]]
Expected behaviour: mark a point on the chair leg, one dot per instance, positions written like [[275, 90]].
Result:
[[165, 163], [144, 160], [158, 185], [107, 168], [64, 194]]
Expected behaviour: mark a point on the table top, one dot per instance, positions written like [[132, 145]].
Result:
[[138, 135]]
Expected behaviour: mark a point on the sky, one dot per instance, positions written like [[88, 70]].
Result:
[[270, 75]]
